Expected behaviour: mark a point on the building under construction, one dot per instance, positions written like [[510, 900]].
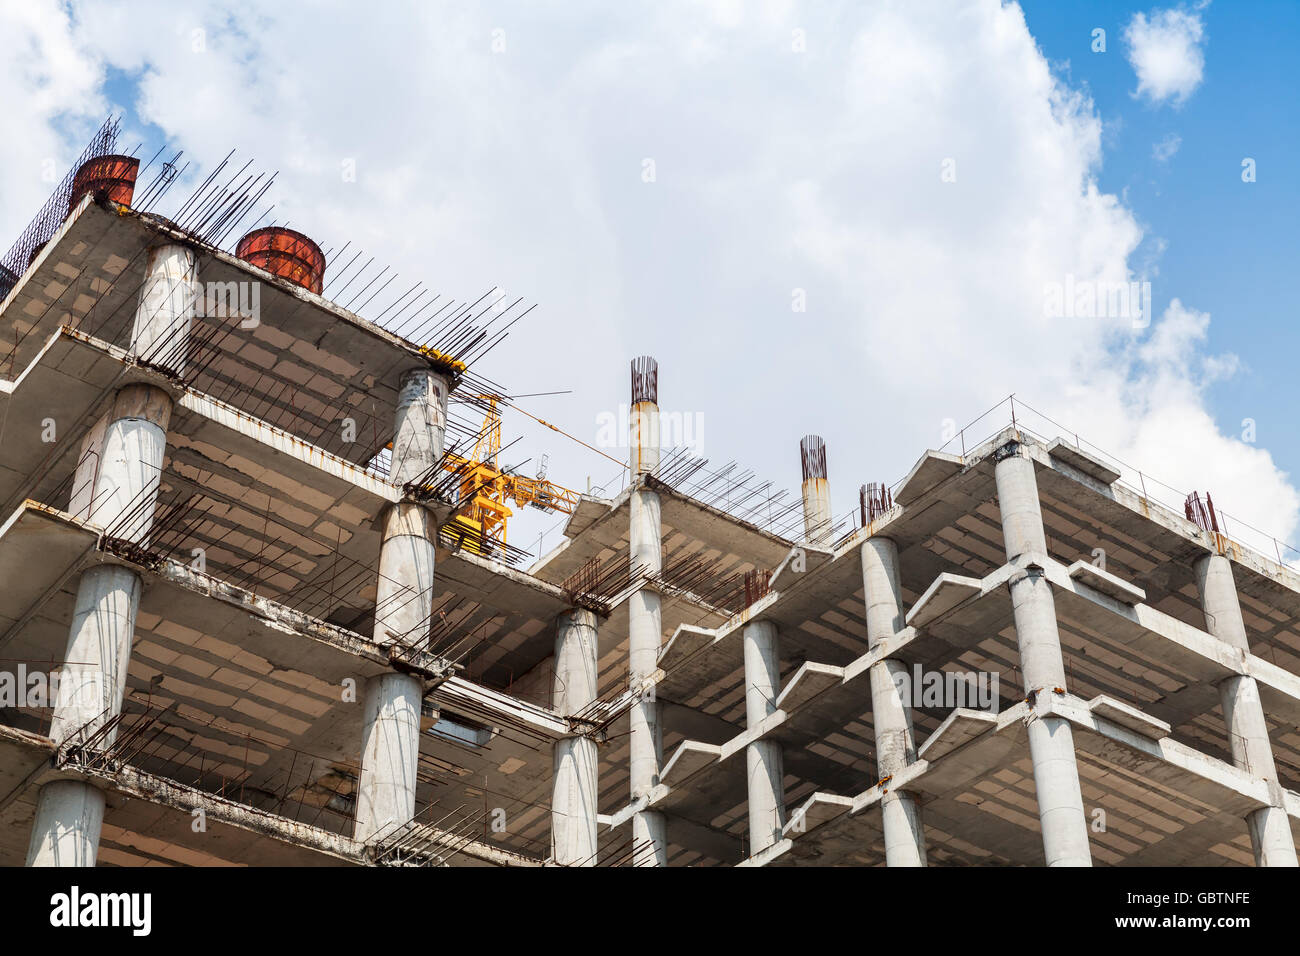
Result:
[[257, 605]]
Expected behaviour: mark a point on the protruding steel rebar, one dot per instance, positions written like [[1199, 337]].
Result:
[[645, 380], [874, 501], [812, 452]]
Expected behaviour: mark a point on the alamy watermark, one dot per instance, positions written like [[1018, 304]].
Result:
[[974, 690], [240, 300], [230, 300], [26, 689], [1097, 299], [665, 430], [76, 908]]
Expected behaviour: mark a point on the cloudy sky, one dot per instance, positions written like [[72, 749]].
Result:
[[857, 219]]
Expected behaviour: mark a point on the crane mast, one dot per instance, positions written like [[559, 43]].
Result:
[[483, 515]]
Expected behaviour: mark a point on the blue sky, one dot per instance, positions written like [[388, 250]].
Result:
[[1231, 246], [798, 150]]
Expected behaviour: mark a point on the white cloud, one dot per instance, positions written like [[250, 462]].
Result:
[[1167, 53], [1164, 150], [776, 170], [49, 87]]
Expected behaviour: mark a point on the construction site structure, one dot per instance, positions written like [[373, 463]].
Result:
[[215, 606]]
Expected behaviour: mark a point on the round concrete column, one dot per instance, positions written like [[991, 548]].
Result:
[[891, 706], [70, 813], [644, 635], [645, 621], [421, 424], [93, 677], [1051, 739], [764, 760], [120, 479], [404, 592], [817, 519], [643, 437], [120, 464], [168, 297], [645, 728], [390, 754], [574, 794], [1243, 712], [390, 745], [69, 818]]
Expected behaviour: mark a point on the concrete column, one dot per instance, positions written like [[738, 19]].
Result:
[[645, 621], [421, 425], [390, 754], [1051, 740], [115, 488], [69, 818], [574, 793], [764, 762], [160, 336], [390, 743], [404, 592], [817, 518], [891, 711], [120, 465], [92, 680], [1270, 832]]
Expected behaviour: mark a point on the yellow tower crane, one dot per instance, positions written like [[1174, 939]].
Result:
[[484, 489]]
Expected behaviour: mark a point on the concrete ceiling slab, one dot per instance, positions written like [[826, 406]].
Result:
[[307, 354]]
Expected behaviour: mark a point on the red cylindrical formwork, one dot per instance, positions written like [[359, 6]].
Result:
[[114, 175], [286, 253]]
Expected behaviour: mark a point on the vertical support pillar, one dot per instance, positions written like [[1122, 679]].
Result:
[[115, 488], [764, 761], [645, 622], [574, 791], [69, 818], [891, 710], [120, 465], [390, 753], [1051, 740], [1270, 831], [817, 518], [160, 336], [390, 743]]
